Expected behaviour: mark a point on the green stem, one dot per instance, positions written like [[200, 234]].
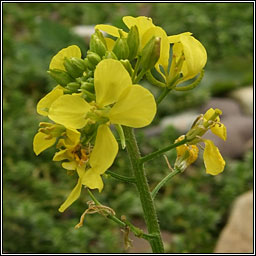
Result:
[[144, 192], [161, 151], [139, 77], [121, 177], [136, 68], [162, 95], [163, 181], [137, 232], [153, 80]]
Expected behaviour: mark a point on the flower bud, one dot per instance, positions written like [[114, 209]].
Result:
[[93, 58], [97, 45], [73, 86], [74, 66], [60, 76], [128, 66], [121, 48], [150, 53], [133, 42], [88, 64], [87, 86], [109, 55]]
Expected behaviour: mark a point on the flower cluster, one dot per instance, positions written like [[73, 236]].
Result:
[[100, 92]]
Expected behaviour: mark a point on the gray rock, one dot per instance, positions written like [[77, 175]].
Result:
[[245, 97], [237, 236], [182, 122], [227, 106], [84, 31]]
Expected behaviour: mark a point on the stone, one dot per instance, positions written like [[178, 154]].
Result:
[[227, 106], [237, 235], [182, 122], [84, 32], [245, 97]]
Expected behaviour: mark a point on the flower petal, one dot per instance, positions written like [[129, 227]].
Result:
[[111, 30], [69, 52], [44, 104], [61, 155], [176, 38], [213, 161], [92, 180], [73, 196], [110, 43], [70, 111], [110, 80], [41, 143], [104, 151], [220, 130], [136, 108], [195, 56], [143, 23], [69, 165]]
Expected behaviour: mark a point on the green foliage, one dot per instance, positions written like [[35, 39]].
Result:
[[193, 207]]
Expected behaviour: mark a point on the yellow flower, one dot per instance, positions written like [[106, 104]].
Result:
[[193, 53], [118, 101], [213, 161], [98, 161], [146, 30]]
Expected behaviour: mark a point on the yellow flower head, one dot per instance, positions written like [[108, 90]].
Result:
[[189, 53], [214, 163]]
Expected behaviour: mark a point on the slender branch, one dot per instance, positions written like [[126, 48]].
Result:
[[136, 68], [153, 80], [139, 77], [162, 95], [161, 151], [137, 232], [121, 177], [164, 181]]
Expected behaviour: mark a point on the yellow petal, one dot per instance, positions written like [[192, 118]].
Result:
[[73, 136], [70, 111], [209, 113], [176, 38], [69, 52], [104, 151], [143, 23], [135, 108], [73, 196], [92, 180], [44, 104], [111, 30], [110, 80], [41, 143], [110, 43], [69, 165], [213, 161], [220, 130], [195, 56], [62, 155], [164, 48]]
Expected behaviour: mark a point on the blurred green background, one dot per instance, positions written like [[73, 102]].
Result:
[[193, 207]]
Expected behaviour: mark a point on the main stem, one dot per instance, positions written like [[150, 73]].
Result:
[[144, 192]]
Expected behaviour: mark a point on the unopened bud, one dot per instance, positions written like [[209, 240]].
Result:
[[121, 48], [150, 53], [87, 86], [74, 66], [93, 57], [110, 55], [60, 76], [73, 86], [128, 66], [133, 42], [88, 64], [97, 46]]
